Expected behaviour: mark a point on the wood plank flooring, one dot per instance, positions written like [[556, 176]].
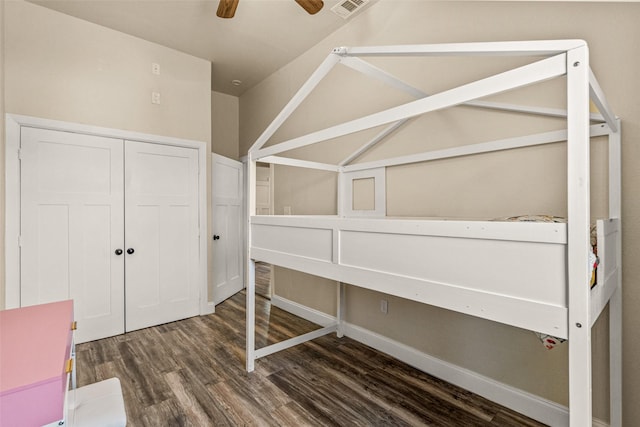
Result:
[[263, 279], [191, 373]]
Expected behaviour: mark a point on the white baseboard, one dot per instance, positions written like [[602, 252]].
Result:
[[310, 314], [533, 406]]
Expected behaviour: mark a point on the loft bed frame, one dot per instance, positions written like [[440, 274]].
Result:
[[388, 254]]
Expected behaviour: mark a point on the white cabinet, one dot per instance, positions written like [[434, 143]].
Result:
[[112, 224]]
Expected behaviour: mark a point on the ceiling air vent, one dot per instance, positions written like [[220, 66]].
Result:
[[346, 8]]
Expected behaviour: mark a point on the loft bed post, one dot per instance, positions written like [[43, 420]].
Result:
[[251, 315], [615, 303], [250, 268], [340, 287], [578, 191], [340, 308]]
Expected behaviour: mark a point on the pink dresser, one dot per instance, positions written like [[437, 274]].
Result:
[[35, 348]]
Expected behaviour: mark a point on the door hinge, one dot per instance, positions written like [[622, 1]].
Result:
[[20, 241], [19, 153]]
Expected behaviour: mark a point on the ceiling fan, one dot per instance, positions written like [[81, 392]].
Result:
[[227, 8]]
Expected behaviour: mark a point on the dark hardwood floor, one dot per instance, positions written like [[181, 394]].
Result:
[[192, 373]]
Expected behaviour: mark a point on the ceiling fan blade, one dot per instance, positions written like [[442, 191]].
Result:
[[227, 8], [311, 6]]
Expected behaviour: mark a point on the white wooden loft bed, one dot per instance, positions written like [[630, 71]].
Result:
[[437, 262]]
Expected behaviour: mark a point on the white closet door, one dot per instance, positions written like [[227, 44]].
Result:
[[161, 234], [228, 231], [71, 225]]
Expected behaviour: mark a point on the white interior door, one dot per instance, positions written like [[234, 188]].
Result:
[[72, 218], [228, 235], [161, 234], [264, 190], [263, 198]]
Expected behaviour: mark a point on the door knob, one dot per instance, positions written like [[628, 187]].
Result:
[[130, 251], [216, 237], [118, 251]]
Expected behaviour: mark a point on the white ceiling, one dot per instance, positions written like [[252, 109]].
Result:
[[263, 36]]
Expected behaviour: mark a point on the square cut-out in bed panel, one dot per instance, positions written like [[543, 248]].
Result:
[[314, 243], [527, 270]]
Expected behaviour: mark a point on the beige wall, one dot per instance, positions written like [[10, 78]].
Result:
[[59, 67], [63, 68], [2, 282], [224, 125], [486, 186]]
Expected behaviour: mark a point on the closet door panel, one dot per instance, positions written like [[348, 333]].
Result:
[[48, 279], [175, 256], [72, 220], [162, 224], [95, 259]]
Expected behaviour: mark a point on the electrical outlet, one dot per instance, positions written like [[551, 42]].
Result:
[[287, 210], [384, 306], [155, 69], [155, 98]]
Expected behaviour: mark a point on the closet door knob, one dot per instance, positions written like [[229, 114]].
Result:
[[216, 237], [130, 251], [118, 251]]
